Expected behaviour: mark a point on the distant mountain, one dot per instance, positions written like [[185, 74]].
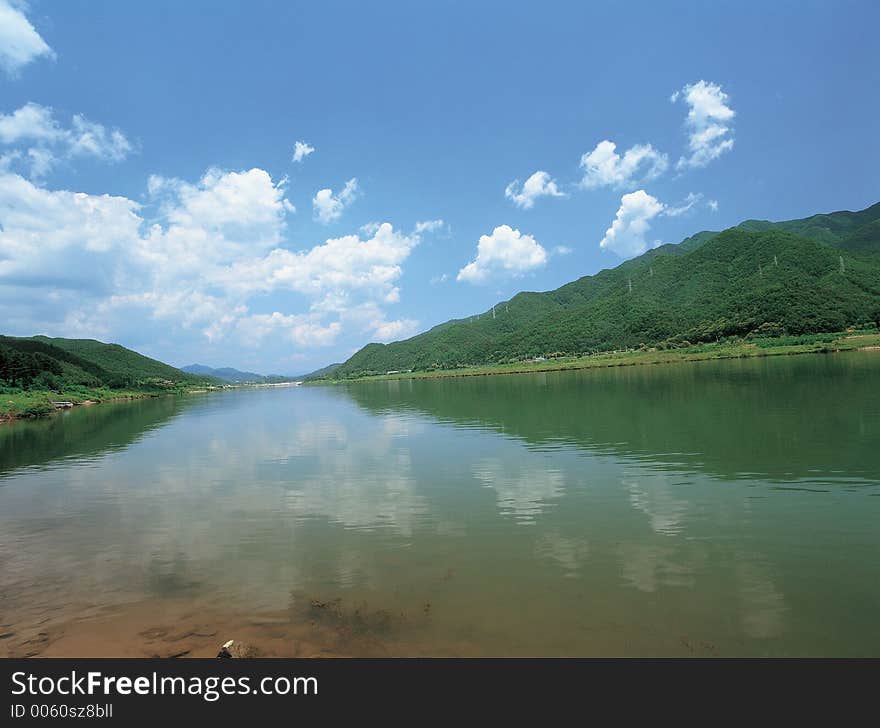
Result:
[[226, 374], [235, 376], [820, 273], [53, 363]]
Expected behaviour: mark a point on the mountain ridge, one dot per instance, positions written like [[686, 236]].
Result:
[[54, 362], [230, 375], [226, 374], [809, 275]]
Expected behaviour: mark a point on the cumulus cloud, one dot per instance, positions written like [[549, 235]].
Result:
[[540, 184], [301, 150], [305, 330], [61, 239], [224, 214], [40, 141], [604, 167], [31, 122], [196, 257], [333, 274], [20, 43], [626, 236], [713, 205], [708, 123], [329, 207], [505, 252]]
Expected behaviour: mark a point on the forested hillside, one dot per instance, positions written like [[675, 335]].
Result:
[[53, 364], [796, 277]]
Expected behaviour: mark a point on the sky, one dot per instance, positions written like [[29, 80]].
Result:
[[273, 185]]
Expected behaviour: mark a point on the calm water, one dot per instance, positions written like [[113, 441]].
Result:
[[723, 508]]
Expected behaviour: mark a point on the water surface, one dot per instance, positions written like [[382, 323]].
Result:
[[713, 508]]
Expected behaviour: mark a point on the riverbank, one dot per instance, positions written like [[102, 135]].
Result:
[[311, 627], [782, 346], [41, 403]]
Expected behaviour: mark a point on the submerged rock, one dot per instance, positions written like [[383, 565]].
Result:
[[237, 649]]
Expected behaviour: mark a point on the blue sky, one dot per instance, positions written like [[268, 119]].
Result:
[[452, 154]]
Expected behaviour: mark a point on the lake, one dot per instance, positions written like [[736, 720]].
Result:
[[713, 508]]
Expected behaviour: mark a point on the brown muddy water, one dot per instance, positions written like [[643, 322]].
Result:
[[714, 508]]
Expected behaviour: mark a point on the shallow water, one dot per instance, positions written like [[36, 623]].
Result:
[[713, 508]]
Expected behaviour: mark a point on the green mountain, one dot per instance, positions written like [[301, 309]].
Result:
[[837, 228], [795, 277], [45, 363], [236, 376], [226, 374], [322, 373]]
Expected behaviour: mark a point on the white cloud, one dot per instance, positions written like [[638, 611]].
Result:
[[429, 226], [226, 216], [40, 161], [604, 167], [505, 252], [41, 141], [301, 150], [370, 228], [305, 330], [31, 122], [20, 43], [395, 330], [626, 236], [61, 239], [333, 274], [688, 204], [562, 250], [369, 318], [328, 207], [708, 123], [540, 184], [78, 264], [90, 139]]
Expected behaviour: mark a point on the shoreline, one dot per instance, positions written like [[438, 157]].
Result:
[[33, 405], [855, 341], [310, 627], [37, 405]]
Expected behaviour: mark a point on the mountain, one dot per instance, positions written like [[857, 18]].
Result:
[[837, 229], [226, 374], [322, 373], [854, 231], [52, 363], [817, 274], [235, 376]]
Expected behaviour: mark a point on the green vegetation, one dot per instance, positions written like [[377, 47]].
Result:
[[322, 373], [37, 371], [744, 287], [730, 349]]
